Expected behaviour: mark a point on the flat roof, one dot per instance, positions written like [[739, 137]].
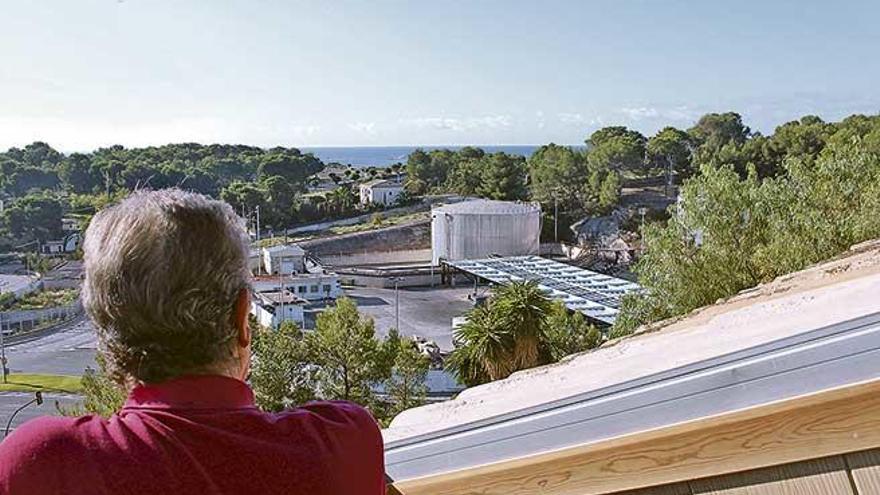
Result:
[[487, 207], [286, 249], [277, 297], [594, 294]]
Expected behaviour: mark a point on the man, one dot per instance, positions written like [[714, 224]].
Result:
[[166, 284]]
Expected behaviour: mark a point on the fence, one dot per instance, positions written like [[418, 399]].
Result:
[[12, 322]]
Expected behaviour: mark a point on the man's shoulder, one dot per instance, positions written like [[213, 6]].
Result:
[[345, 418], [47, 435], [41, 444], [341, 414]]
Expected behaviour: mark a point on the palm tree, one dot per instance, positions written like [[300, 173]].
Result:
[[503, 336], [523, 309]]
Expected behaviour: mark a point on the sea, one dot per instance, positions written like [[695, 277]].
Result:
[[384, 156]]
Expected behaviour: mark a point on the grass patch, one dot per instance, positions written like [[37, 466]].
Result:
[[26, 382], [380, 222], [47, 299]]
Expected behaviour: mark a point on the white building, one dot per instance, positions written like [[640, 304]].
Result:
[[309, 286], [285, 259], [482, 228], [275, 307], [69, 244], [380, 192]]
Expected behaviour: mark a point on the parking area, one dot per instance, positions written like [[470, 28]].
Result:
[[424, 311]]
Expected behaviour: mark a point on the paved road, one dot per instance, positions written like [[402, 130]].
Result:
[[423, 311], [71, 348], [66, 351]]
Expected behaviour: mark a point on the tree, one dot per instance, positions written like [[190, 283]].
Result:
[[467, 177], [714, 130], [502, 336], [669, 151], [569, 332], [729, 233], [558, 173], [346, 352], [101, 395], [34, 217], [617, 148], [609, 191], [503, 177], [77, 172], [281, 372], [406, 383]]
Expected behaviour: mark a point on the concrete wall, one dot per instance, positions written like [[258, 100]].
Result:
[[410, 237], [377, 257]]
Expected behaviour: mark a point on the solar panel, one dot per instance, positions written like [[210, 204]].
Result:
[[596, 295]]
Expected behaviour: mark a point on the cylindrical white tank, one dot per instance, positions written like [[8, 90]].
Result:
[[482, 228]]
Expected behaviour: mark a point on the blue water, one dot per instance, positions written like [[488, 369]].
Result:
[[383, 156]]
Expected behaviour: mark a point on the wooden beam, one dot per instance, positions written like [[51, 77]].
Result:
[[832, 422]]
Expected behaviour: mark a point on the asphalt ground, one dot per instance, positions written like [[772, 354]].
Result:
[[69, 348]]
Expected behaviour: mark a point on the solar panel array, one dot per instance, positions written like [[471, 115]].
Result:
[[594, 294]]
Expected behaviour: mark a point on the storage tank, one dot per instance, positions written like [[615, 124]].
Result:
[[482, 228]]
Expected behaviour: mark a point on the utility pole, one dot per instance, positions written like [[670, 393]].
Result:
[[281, 283], [258, 222], [556, 218], [3, 350], [396, 304]]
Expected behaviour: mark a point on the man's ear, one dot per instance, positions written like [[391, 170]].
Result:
[[242, 309]]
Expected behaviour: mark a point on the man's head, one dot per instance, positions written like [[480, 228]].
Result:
[[166, 279]]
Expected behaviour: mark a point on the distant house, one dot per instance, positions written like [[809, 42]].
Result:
[[308, 286], [380, 192], [273, 308], [69, 244], [285, 259], [70, 225]]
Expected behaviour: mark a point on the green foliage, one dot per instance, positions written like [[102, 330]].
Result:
[[346, 352], [503, 177], [47, 299], [101, 396], [35, 217], [670, 149], [619, 149], [729, 233], [405, 385], [281, 371], [517, 329], [569, 332]]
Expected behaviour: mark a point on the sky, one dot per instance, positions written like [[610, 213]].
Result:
[[89, 73]]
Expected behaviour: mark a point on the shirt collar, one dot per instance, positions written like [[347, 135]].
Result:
[[192, 392]]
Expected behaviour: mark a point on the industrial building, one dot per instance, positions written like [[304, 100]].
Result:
[[482, 228], [308, 286], [596, 295], [272, 308], [284, 259]]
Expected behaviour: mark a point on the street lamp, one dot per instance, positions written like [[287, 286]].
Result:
[[38, 398], [396, 303]]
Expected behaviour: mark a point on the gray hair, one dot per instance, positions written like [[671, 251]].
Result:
[[163, 270]]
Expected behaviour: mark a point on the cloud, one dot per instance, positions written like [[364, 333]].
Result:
[[577, 119], [681, 113], [460, 124], [364, 127], [641, 113]]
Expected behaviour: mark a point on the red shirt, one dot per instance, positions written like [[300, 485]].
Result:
[[198, 435]]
